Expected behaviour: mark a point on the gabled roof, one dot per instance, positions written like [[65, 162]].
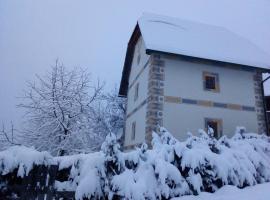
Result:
[[192, 39]]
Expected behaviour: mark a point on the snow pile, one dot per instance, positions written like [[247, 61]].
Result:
[[229, 192], [170, 169], [23, 159]]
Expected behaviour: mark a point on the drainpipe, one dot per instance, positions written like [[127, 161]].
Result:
[[264, 105]]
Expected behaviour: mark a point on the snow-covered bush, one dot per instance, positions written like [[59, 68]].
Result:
[[208, 164], [22, 159], [170, 169]]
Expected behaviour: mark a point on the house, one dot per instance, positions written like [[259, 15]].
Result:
[[186, 76]]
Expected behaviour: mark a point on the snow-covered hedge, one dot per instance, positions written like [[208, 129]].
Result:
[[170, 169], [23, 159]]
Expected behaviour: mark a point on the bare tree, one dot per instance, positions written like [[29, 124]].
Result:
[[109, 115], [60, 111], [115, 109], [8, 137]]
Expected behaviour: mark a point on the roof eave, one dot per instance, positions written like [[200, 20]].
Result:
[[192, 58], [128, 61]]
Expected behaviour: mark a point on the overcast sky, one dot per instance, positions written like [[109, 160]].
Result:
[[94, 34]]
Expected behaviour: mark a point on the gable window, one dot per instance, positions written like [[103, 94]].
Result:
[[133, 131], [136, 94], [215, 125], [211, 81]]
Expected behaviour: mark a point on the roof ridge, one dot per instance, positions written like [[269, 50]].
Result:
[[150, 14]]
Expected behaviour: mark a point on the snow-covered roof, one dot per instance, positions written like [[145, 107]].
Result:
[[192, 39], [189, 38]]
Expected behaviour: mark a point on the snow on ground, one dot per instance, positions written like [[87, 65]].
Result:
[[228, 192]]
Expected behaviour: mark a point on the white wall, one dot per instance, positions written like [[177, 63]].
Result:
[[182, 118], [184, 79], [138, 116], [143, 79]]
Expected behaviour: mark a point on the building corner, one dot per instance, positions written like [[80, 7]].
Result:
[[259, 102], [155, 96]]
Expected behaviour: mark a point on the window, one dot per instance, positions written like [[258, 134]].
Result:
[[133, 131], [136, 94], [139, 45], [211, 81], [216, 125], [138, 59]]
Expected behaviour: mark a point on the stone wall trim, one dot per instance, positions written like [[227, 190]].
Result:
[[154, 109], [259, 106]]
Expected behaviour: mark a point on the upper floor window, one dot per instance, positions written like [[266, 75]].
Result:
[[139, 45], [136, 94], [138, 50], [215, 125], [138, 59], [133, 131], [211, 81]]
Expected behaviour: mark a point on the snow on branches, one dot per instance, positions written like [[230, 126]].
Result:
[[59, 111]]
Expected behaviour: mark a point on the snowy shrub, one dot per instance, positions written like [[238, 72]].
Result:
[[85, 178], [170, 169], [138, 184], [23, 159], [208, 164]]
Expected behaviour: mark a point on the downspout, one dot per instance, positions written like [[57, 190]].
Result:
[[264, 105]]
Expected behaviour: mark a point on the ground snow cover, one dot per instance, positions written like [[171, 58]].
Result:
[[170, 169], [228, 192]]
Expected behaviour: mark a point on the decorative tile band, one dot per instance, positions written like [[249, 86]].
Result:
[[189, 101], [248, 108], [220, 105], [179, 100], [137, 108], [139, 74], [204, 103]]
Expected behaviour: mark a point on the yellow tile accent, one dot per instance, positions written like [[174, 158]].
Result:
[[205, 103], [171, 99]]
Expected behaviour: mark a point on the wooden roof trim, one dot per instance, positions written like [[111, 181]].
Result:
[[128, 61]]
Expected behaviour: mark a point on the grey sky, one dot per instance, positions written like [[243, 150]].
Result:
[[94, 34]]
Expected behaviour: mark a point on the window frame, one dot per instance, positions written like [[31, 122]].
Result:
[[211, 74], [133, 130], [219, 126]]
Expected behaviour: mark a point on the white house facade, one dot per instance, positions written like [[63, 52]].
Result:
[[187, 76]]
